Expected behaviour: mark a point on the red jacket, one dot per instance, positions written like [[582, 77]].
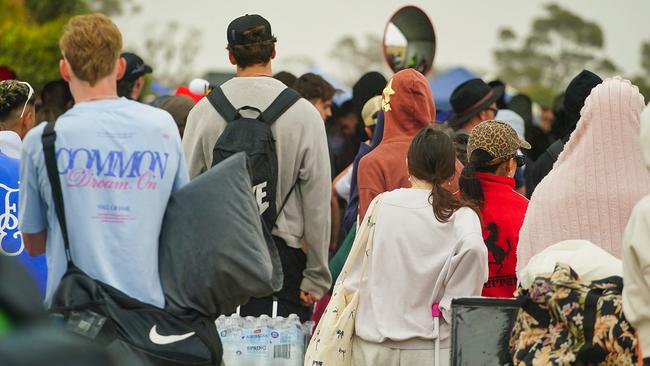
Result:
[[502, 216], [408, 107]]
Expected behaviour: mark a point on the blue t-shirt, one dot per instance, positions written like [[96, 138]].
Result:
[[11, 241], [119, 161]]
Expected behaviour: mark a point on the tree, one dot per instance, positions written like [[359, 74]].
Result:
[[645, 57], [30, 31], [356, 59], [559, 45], [43, 11], [29, 40], [171, 51], [643, 81]]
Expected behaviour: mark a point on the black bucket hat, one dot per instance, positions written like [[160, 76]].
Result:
[[470, 98]]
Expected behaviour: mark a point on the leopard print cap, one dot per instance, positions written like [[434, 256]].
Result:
[[497, 138]]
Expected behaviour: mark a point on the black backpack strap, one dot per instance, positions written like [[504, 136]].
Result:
[[555, 149], [293, 187], [589, 352], [281, 104], [219, 101], [48, 138], [287, 98], [533, 309]]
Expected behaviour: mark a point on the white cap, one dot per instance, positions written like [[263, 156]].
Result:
[[199, 86]]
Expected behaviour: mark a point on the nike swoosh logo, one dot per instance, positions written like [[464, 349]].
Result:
[[168, 339]]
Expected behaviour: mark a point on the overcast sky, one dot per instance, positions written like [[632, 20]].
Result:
[[466, 30]]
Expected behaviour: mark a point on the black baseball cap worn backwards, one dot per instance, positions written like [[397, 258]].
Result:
[[135, 67], [237, 28]]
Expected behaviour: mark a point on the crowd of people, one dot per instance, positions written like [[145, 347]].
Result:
[[457, 208]]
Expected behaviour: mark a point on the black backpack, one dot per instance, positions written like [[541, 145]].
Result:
[[254, 137]]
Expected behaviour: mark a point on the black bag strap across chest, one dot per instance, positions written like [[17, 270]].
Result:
[[48, 138]]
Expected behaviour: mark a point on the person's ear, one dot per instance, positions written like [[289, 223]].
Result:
[[503, 169], [27, 121], [121, 68], [232, 59], [64, 69], [139, 82], [273, 54], [484, 115], [24, 121], [510, 166]]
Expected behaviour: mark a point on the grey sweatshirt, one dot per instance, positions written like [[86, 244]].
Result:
[[301, 146]]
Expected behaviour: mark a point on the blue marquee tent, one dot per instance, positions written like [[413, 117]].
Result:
[[443, 84]]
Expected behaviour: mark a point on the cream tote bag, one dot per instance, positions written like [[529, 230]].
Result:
[[332, 340]]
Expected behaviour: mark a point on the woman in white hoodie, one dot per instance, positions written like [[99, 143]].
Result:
[[636, 257], [427, 249]]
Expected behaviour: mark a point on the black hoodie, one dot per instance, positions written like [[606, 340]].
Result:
[[574, 99]]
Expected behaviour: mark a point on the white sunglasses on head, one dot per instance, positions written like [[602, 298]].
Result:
[[29, 96]]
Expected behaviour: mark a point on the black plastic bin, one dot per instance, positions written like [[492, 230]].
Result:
[[480, 331]]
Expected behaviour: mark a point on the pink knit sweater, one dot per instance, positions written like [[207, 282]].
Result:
[[597, 179]]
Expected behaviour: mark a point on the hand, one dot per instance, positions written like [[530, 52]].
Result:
[[333, 246], [307, 299]]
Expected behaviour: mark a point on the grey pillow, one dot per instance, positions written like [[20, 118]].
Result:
[[213, 252]]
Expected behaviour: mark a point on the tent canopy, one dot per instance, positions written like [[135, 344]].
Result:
[[443, 84]]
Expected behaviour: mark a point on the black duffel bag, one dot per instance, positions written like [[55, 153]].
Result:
[[140, 333]]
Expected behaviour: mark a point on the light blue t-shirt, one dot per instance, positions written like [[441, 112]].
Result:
[[119, 161]]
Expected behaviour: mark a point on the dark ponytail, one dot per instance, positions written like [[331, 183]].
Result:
[[470, 186], [432, 158], [445, 203]]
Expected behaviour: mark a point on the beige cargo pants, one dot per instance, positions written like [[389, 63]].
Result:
[[366, 354]]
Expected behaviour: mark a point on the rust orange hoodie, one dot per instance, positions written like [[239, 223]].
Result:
[[408, 107]]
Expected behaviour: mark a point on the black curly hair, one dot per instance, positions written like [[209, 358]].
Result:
[[13, 95]]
